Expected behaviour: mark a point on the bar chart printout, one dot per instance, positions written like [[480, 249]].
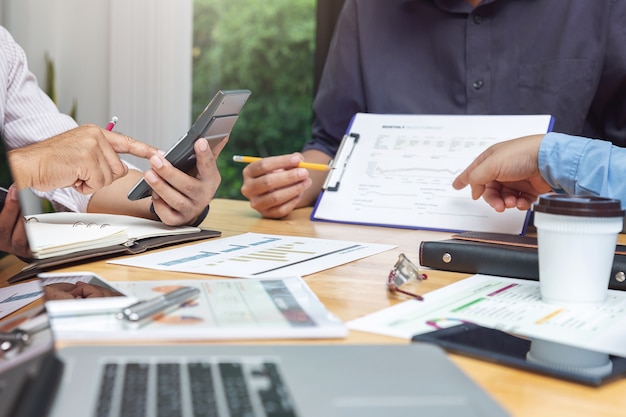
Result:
[[253, 255]]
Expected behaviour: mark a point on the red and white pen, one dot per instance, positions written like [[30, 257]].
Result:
[[109, 127], [112, 123]]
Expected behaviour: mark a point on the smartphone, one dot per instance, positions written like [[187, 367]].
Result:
[[214, 123], [540, 356], [84, 306]]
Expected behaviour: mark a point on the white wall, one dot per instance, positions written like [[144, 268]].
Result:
[[125, 58]]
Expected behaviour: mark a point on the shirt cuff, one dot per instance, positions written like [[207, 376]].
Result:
[[559, 158]]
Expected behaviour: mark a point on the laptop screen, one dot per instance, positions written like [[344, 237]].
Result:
[[29, 370]]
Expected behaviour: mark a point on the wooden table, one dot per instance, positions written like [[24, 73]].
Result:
[[358, 288]]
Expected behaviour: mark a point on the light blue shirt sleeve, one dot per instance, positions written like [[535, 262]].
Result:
[[583, 166]]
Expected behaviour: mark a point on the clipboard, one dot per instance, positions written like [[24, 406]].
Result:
[[395, 170], [339, 165]]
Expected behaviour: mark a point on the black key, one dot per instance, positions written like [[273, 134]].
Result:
[[237, 397], [134, 390], [169, 402], [202, 390], [105, 397], [276, 399]]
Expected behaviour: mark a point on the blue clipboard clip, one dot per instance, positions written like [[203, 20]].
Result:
[[339, 164]]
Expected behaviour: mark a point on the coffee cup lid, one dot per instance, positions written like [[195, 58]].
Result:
[[578, 205]]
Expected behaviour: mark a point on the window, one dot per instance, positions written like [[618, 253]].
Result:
[[267, 47]]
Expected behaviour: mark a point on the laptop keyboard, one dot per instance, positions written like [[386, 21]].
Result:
[[249, 388]]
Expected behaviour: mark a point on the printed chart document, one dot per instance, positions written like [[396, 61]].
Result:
[[252, 255], [16, 296], [507, 304], [266, 308], [397, 171]]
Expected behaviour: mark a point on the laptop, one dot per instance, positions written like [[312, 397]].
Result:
[[37, 378]]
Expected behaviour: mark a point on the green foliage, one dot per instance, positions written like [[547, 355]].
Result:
[[51, 89], [268, 48]]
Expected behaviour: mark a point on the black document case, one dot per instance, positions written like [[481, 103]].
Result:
[[499, 254]]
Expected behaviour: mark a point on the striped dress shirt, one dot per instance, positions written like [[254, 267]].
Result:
[[28, 115]]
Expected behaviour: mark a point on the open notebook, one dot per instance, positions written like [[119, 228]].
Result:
[[72, 238], [58, 234], [36, 379]]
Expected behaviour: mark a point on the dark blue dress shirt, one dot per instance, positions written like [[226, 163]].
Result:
[[558, 57]]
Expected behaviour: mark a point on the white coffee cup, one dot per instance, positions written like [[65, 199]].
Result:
[[576, 237]]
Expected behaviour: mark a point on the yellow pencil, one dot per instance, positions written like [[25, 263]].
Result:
[[307, 165]]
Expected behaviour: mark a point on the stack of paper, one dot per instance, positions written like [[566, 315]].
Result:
[[268, 308]]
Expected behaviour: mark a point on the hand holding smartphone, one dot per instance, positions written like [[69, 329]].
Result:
[[214, 124]]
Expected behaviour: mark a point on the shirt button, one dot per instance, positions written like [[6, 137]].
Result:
[[478, 84], [478, 19]]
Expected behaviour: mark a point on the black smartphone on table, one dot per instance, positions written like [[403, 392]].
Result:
[[214, 123], [544, 357]]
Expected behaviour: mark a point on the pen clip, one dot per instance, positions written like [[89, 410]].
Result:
[[142, 312], [338, 165]]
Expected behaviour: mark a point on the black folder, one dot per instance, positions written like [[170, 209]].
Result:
[[36, 266], [499, 254]]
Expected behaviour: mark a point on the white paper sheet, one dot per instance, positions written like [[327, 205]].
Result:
[[267, 308], [508, 304], [253, 255], [16, 296], [400, 172]]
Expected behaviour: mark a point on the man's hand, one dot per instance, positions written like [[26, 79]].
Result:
[[275, 185], [506, 175], [180, 198], [12, 230], [85, 157]]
